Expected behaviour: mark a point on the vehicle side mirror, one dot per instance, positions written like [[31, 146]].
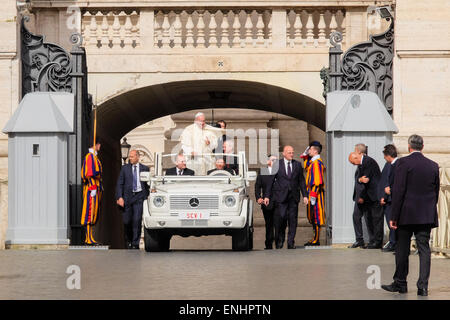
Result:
[[145, 176], [251, 175]]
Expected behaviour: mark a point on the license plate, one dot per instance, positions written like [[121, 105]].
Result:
[[193, 215]]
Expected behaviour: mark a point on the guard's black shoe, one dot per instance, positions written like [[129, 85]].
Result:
[[394, 287], [422, 292], [309, 243], [315, 243], [357, 244]]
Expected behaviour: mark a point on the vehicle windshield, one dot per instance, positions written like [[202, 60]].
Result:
[[211, 164]]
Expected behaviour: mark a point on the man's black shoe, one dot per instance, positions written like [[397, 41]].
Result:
[[389, 248], [422, 292], [374, 246], [291, 246], [135, 247], [394, 287], [278, 246], [268, 248], [357, 244]]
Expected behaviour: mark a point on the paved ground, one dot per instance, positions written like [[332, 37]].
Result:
[[211, 274]]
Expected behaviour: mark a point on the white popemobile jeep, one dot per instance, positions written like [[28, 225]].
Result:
[[215, 204]]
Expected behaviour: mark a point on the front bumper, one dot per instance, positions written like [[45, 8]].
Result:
[[165, 222], [214, 222]]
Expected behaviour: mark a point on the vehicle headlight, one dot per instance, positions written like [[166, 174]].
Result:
[[230, 201], [158, 201]]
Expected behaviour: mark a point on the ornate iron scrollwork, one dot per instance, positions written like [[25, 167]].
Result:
[[45, 66], [324, 75], [368, 65]]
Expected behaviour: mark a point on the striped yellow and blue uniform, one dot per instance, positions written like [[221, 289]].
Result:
[[315, 185], [91, 174]]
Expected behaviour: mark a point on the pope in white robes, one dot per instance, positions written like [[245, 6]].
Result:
[[198, 139]]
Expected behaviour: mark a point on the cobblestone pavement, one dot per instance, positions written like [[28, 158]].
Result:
[[209, 274]]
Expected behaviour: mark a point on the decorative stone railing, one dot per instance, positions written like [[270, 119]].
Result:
[[211, 28], [110, 29]]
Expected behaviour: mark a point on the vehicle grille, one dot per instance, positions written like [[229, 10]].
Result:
[[205, 202]]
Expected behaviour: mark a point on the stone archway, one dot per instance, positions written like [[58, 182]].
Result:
[[120, 114]]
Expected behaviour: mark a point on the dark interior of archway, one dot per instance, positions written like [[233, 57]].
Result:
[[123, 113]]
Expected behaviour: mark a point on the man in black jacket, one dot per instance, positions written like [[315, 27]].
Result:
[[264, 179], [366, 201], [180, 168], [384, 190], [414, 211], [285, 190], [220, 165], [130, 194]]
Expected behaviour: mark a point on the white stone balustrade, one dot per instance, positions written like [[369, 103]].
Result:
[[110, 30], [312, 28], [215, 28]]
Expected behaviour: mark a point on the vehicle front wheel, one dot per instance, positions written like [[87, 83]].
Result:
[[151, 240], [164, 242], [241, 239]]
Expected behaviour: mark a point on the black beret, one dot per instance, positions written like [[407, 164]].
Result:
[[316, 144]]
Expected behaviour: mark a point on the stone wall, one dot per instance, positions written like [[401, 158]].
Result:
[[421, 75]]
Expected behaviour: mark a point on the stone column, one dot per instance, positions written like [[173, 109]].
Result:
[[147, 25]]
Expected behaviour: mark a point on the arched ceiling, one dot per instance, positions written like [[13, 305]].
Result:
[[123, 113]]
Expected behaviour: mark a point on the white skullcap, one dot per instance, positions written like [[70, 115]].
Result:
[[198, 114]]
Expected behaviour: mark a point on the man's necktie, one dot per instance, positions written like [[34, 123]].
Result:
[[289, 169], [134, 178]]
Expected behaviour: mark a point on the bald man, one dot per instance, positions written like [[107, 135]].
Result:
[[365, 195], [130, 195], [285, 190]]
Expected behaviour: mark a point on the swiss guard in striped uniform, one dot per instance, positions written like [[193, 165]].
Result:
[[91, 174], [315, 185]]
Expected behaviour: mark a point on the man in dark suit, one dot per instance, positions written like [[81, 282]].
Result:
[[285, 190], [180, 168], [414, 211], [130, 194], [264, 179], [384, 193], [365, 195], [222, 125], [220, 165]]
